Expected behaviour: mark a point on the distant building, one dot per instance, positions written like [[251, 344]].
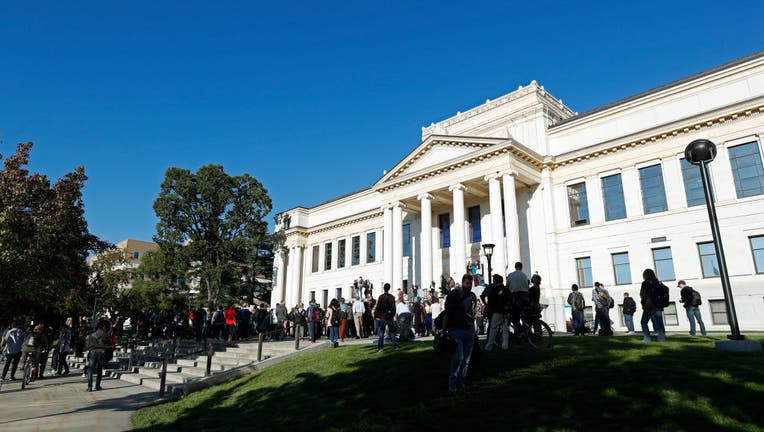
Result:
[[598, 196]]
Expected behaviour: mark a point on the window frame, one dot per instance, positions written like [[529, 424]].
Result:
[[605, 196], [628, 267], [675, 315], [476, 230], [315, 258], [700, 258], [328, 250], [371, 247], [579, 269], [655, 263], [643, 180], [712, 303], [583, 198], [444, 228], [406, 239], [355, 250], [760, 167], [753, 253], [692, 168], [341, 251]]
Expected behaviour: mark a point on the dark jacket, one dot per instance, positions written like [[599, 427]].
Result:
[[629, 306], [649, 293], [460, 310], [686, 294]]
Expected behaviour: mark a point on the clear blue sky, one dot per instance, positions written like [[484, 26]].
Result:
[[314, 99]]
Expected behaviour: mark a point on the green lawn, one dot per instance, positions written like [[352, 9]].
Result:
[[581, 384]]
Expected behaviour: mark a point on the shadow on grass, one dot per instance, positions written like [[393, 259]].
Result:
[[580, 384]]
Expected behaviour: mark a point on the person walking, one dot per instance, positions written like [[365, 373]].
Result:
[[691, 300], [601, 299], [498, 302], [97, 343], [577, 304], [384, 314], [629, 307], [654, 297], [459, 323], [14, 339]]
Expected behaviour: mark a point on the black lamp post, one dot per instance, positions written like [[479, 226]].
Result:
[[701, 152], [488, 250]]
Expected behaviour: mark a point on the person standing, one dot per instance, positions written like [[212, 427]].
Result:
[[14, 339], [218, 322], [230, 324], [200, 316], [518, 284], [343, 313], [64, 348], [577, 304], [358, 310], [459, 323], [435, 310], [96, 344], [313, 318], [333, 320], [653, 295], [601, 299], [498, 302], [629, 307], [282, 321], [384, 314], [691, 300]]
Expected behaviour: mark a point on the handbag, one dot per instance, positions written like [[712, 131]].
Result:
[[443, 342]]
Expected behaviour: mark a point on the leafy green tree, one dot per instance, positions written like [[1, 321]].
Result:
[[157, 283], [215, 220], [44, 241]]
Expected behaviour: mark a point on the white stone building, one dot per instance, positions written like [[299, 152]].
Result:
[[578, 198]]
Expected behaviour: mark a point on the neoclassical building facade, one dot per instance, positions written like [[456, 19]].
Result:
[[578, 198]]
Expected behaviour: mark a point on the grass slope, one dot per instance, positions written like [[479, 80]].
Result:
[[581, 384]]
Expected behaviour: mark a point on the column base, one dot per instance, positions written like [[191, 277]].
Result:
[[743, 345]]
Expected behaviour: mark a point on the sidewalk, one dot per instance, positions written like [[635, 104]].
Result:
[[63, 404]]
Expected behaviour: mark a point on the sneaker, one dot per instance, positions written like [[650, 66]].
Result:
[[99, 388], [379, 350], [90, 389], [646, 340]]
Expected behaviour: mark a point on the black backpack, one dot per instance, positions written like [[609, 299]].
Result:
[[660, 295], [388, 307], [335, 317], [696, 299]]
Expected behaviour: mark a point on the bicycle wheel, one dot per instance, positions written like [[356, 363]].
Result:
[[540, 335], [27, 376]]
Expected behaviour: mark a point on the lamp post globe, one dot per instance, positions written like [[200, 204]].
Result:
[[488, 251], [700, 151]]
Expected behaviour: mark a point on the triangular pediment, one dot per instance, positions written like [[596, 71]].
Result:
[[437, 150]]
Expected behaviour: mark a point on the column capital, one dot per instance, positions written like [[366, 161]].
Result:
[[457, 186], [493, 176], [509, 172], [425, 196], [398, 204]]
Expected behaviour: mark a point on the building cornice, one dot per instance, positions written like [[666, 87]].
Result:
[[350, 220], [609, 148]]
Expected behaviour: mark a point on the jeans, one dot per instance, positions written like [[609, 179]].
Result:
[[390, 326], [657, 318], [497, 320], [460, 359], [693, 313], [602, 316], [95, 366], [629, 320], [62, 364], [12, 359], [578, 322], [334, 333]]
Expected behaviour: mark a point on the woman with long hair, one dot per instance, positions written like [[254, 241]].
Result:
[[652, 307]]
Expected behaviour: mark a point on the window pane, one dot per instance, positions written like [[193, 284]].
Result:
[[371, 247], [718, 311], [407, 240], [693, 185], [355, 250], [757, 248], [621, 268], [747, 169], [328, 256], [444, 224], [670, 317], [708, 262], [314, 260], [584, 271], [341, 254], [473, 214], [664, 264], [612, 195], [578, 205], [653, 192]]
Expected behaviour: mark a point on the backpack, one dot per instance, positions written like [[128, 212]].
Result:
[[335, 321], [660, 295], [578, 301], [696, 299], [31, 340], [218, 317], [610, 302]]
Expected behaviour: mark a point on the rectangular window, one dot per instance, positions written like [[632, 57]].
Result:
[[757, 249], [371, 247], [341, 253], [612, 195], [444, 223], [584, 271], [136, 255], [670, 317], [328, 256], [589, 316], [312, 295], [620, 312], [406, 239], [747, 169], [693, 185], [718, 311], [578, 205], [355, 250], [326, 298], [621, 268], [339, 293], [653, 192], [708, 262], [314, 260], [473, 215], [664, 263]]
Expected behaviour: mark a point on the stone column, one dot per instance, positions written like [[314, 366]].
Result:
[[511, 222], [289, 276], [277, 295], [458, 243], [387, 246], [498, 263], [425, 245], [397, 280], [295, 289]]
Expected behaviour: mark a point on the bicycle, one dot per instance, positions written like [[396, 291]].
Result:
[[532, 329], [30, 369]]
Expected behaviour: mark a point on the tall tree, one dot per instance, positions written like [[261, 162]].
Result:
[[216, 220], [44, 241]]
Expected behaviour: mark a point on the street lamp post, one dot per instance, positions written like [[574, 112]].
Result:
[[488, 250], [701, 152]]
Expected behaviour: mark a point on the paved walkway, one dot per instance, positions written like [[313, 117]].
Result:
[[63, 404]]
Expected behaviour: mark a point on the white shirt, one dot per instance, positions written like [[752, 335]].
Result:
[[402, 308], [435, 308], [358, 307]]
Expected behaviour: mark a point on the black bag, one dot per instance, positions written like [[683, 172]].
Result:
[[661, 295], [438, 321], [335, 321], [443, 342], [696, 299], [610, 302]]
